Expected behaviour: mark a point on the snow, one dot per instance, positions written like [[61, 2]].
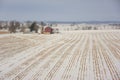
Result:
[[72, 55]]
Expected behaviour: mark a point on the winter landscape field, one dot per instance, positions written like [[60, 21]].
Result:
[[72, 55]]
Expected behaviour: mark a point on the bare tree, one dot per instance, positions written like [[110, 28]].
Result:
[[42, 27], [22, 29], [17, 25], [0, 26], [12, 28]]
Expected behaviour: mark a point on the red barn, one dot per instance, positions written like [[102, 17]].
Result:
[[48, 30]]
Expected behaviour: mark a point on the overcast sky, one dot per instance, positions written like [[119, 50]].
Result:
[[60, 10]]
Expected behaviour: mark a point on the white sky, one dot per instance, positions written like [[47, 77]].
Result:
[[60, 10]]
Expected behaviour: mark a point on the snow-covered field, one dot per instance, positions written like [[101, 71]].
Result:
[[73, 55]]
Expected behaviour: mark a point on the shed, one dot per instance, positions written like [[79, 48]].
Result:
[[48, 30]]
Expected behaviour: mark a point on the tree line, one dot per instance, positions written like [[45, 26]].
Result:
[[12, 26]]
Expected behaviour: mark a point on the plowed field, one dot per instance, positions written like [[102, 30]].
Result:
[[75, 55]]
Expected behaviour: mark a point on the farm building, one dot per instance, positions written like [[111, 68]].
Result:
[[55, 30], [48, 30]]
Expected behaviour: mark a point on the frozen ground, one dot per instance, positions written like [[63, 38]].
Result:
[[73, 55]]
